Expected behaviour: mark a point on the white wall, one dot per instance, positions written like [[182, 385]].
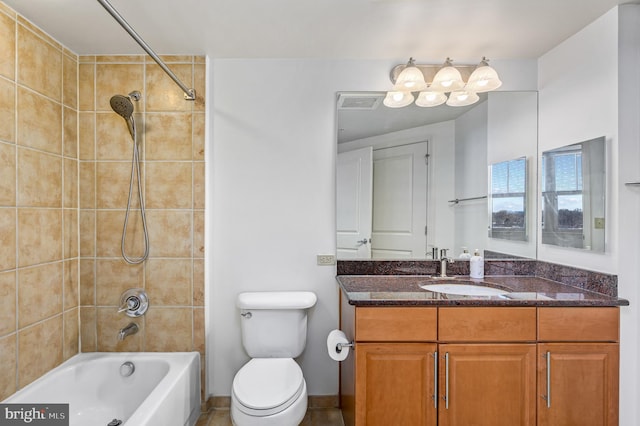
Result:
[[589, 86], [271, 195], [471, 176]]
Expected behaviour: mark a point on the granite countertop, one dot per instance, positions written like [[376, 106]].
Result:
[[404, 290]]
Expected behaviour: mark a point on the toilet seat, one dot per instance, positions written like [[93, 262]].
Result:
[[266, 386]]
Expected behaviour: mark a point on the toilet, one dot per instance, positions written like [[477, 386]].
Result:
[[270, 390]]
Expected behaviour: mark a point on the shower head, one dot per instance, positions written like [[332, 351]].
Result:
[[123, 106]]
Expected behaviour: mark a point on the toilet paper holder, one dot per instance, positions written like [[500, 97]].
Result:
[[339, 346]]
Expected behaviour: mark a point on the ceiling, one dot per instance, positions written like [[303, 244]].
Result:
[[428, 30]]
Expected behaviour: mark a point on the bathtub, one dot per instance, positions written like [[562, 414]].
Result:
[[163, 390]]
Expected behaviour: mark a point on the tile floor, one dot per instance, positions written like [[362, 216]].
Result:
[[314, 417]]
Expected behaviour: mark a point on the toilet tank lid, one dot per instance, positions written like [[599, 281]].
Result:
[[276, 300]]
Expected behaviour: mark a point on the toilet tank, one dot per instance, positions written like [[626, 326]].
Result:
[[274, 324]]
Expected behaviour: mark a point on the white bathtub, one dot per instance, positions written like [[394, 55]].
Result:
[[164, 389]]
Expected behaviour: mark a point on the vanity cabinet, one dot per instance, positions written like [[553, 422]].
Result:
[[480, 365], [578, 377]]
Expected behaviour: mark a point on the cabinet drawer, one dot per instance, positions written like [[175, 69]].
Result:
[[501, 324], [578, 324], [396, 324]]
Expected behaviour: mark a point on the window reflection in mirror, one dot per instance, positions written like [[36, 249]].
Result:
[[508, 200], [573, 196]]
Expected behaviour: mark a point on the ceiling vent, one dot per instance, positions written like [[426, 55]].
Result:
[[359, 101]]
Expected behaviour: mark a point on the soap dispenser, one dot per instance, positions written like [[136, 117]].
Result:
[[476, 265], [465, 255]]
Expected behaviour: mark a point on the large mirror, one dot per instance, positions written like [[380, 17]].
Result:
[[573, 196], [411, 180]]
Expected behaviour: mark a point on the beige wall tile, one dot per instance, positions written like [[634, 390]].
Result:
[[7, 111], [39, 349], [199, 337], [70, 235], [7, 174], [199, 78], [70, 198], [198, 282], [114, 277], [87, 282], [168, 281], [40, 236], [39, 179], [168, 136], [70, 127], [162, 92], [69, 82], [7, 302], [39, 64], [7, 238], [113, 79], [86, 136], [198, 185], [198, 136], [120, 58], [168, 185], [71, 286], [113, 141], [8, 365], [112, 185], [39, 122], [109, 324], [37, 31], [169, 233], [39, 293], [86, 86], [87, 233], [109, 225], [88, 325], [7, 46], [198, 234], [71, 334], [169, 329], [87, 185]]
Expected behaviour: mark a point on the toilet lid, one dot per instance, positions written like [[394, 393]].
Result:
[[266, 386]]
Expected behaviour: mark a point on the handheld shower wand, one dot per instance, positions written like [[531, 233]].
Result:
[[123, 106]]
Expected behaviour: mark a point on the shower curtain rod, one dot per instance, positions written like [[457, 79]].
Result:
[[189, 94]]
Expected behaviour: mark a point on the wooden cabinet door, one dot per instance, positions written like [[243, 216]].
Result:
[[578, 384], [395, 384], [487, 384]]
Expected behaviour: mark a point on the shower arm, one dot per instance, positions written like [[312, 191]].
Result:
[[189, 94]]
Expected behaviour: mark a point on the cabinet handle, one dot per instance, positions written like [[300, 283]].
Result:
[[435, 379], [446, 380], [547, 397]]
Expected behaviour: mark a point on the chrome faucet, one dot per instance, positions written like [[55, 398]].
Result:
[[443, 263], [130, 329]]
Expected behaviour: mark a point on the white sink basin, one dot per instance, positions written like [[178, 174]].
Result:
[[464, 289]]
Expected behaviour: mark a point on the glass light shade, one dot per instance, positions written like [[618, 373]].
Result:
[[430, 98], [483, 79], [410, 79], [462, 98], [447, 79], [398, 99]]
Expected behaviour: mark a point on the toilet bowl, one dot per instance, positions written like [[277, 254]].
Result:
[[269, 392]]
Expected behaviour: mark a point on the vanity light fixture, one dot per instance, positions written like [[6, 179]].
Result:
[[433, 82]]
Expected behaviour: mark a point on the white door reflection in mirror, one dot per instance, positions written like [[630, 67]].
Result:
[[354, 175], [400, 202]]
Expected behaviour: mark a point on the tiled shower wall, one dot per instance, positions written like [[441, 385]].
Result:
[[38, 203], [171, 137], [65, 161]]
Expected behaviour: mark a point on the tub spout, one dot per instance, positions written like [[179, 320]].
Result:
[[130, 329]]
